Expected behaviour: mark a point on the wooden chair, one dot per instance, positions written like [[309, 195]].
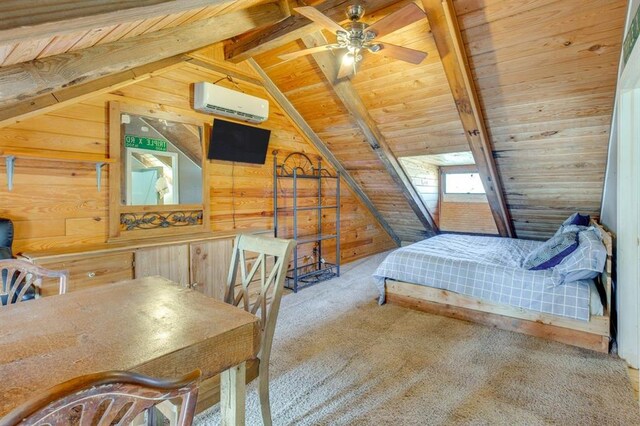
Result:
[[266, 297], [115, 397], [20, 278]]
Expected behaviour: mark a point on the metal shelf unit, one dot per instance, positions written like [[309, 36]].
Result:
[[298, 166]]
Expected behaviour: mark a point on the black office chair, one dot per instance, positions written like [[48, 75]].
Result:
[[6, 238], [6, 243]]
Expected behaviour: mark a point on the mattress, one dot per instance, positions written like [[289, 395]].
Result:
[[488, 268]]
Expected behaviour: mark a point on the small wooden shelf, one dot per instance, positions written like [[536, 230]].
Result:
[[54, 155], [10, 155]]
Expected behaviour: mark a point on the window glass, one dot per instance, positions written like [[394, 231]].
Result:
[[463, 183]]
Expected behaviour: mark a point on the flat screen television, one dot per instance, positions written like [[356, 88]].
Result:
[[237, 142]]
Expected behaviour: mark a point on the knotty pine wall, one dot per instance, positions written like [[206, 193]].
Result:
[[55, 205], [545, 72]]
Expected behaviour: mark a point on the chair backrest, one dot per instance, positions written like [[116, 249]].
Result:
[[114, 397], [6, 235], [261, 282], [18, 277]]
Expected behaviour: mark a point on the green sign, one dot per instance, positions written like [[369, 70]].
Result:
[[151, 144], [630, 39]]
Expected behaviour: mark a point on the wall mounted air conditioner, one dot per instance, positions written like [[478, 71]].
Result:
[[214, 99]]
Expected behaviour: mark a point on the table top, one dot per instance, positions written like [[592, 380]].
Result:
[[149, 325]]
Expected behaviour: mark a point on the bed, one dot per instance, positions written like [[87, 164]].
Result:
[[481, 279]]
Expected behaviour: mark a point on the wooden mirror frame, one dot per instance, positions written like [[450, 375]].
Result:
[[116, 179]]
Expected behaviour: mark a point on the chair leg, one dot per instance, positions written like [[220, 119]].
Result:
[[263, 390]]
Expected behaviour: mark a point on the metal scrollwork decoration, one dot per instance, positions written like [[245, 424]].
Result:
[[153, 220], [298, 162]]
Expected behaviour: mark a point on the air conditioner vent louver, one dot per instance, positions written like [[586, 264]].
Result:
[[250, 117], [215, 99]]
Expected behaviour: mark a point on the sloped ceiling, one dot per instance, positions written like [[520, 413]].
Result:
[[545, 74], [406, 101], [55, 44]]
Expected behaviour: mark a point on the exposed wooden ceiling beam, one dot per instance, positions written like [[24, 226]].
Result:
[[446, 33], [306, 130], [21, 110], [210, 66], [22, 20], [354, 104], [294, 27], [41, 76]]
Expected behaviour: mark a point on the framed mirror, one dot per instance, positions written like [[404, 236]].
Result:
[[158, 182]]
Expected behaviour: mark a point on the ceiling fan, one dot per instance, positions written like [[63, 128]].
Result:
[[356, 36]]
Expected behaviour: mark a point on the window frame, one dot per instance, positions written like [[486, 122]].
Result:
[[444, 183], [458, 197]]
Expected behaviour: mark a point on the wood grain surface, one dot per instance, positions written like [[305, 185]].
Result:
[[544, 73], [150, 326], [68, 214], [22, 80]]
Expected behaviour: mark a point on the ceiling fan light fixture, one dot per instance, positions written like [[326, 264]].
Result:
[[356, 36], [348, 59]]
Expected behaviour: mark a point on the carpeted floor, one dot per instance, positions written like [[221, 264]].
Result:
[[339, 358]]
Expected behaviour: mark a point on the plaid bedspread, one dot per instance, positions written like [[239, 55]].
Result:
[[487, 268]]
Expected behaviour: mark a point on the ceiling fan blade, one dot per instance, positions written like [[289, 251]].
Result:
[[398, 19], [319, 18], [294, 55], [403, 53], [346, 68]]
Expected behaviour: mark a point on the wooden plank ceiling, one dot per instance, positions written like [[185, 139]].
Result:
[[55, 44], [544, 72]]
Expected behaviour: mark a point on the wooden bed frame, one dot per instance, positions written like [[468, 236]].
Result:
[[594, 334]]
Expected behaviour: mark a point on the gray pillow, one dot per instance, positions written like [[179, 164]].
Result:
[[587, 261], [573, 222], [552, 252], [570, 228]]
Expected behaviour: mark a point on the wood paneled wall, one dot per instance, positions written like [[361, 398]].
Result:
[[546, 73], [425, 178], [57, 204], [472, 217], [411, 105]]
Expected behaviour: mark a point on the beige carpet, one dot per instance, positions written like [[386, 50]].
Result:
[[339, 358]]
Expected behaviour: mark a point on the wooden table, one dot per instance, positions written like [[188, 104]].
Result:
[[149, 325]]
